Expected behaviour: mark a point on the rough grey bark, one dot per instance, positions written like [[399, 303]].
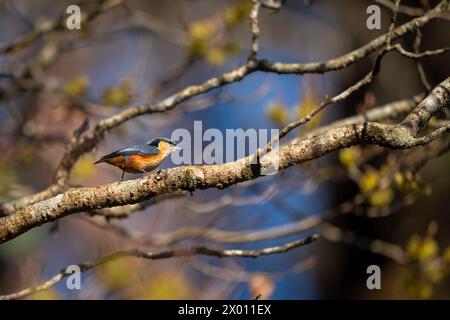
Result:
[[399, 136], [80, 146]]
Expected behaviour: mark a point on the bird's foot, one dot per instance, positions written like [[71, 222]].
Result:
[[147, 174]]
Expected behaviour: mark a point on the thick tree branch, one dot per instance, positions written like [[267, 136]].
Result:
[[190, 178], [326, 102], [358, 54], [92, 138], [391, 110]]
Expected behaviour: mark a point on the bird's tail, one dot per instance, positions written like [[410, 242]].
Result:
[[100, 160], [105, 158]]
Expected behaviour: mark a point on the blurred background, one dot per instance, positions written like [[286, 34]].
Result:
[[379, 209]]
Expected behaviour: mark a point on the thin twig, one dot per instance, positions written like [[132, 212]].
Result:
[[255, 32], [422, 76], [410, 11], [172, 253], [75, 150]]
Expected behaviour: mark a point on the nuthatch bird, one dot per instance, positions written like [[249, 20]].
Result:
[[141, 158]]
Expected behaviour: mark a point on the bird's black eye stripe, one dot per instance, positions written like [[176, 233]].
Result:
[[155, 142], [171, 142]]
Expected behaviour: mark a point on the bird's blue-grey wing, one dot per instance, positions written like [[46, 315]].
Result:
[[141, 149]]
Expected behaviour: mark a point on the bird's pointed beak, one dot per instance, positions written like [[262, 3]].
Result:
[[177, 148]]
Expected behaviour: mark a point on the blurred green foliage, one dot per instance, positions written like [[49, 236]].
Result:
[[238, 12], [429, 268], [84, 167], [350, 157], [307, 105], [165, 286], [277, 113], [206, 39], [77, 87], [116, 275], [119, 95], [8, 176], [49, 294]]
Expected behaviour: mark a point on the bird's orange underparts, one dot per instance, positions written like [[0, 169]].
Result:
[[136, 163]]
